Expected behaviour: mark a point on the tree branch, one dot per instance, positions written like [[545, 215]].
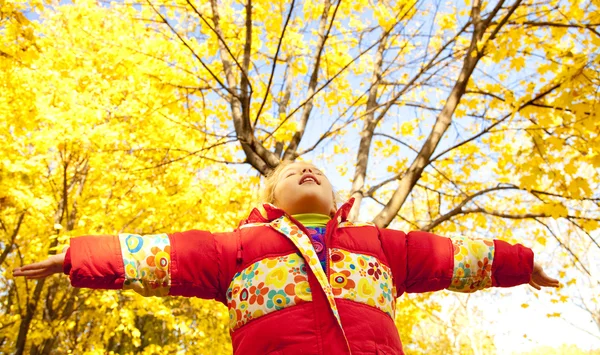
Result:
[[11, 243], [312, 84], [563, 245], [442, 123], [219, 35], [191, 50], [256, 154], [267, 90], [459, 208]]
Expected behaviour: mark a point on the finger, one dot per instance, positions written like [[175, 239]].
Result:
[[39, 275], [553, 283], [32, 266], [31, 272], [535, 285], [41, 264], [22, 270], [547, 280]]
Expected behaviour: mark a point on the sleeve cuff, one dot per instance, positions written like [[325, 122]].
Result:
[[67, 263], [512, 265]]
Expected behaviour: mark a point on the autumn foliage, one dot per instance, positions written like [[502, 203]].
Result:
[[463, 118]]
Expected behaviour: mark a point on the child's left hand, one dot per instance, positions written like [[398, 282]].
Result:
[[539, 278]]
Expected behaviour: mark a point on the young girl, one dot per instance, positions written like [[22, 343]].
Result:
[[300, 278]]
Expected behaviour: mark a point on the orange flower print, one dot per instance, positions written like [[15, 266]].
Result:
[[381, 301], [295, 231], [485, 268], [257, 294], [341, 280], [160, 259], [299, 289], [456, 248]]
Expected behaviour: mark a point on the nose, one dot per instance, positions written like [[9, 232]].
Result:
[[306, 169]]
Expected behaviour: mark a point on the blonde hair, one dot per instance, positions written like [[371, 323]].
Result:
[[267, 194]]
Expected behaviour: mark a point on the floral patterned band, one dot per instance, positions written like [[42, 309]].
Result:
[[146, 260], [473, 260]]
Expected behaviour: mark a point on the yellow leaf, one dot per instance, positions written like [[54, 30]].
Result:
[[517, 63]]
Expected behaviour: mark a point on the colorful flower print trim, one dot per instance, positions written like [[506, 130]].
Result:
[[472, 264], [354, 224], [363, 279], [146, 260], [267, 286]]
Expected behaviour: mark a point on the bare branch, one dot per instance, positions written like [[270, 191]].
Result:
[[189, 154], [490, 127], [243, 70], [459, 208], [592, 27], [10, 244], [502, 22], [584, 231], [563, 245], [256, 154], [362, 157], [375, 43], [330, 131], [245, 82], [191, 50], [267, 90], [312, 84], [441, 125], [371, 122], [397, 141]]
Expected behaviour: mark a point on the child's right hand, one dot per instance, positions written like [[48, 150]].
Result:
[[52, 265]]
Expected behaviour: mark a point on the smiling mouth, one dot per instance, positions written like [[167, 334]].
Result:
[[307, 178]]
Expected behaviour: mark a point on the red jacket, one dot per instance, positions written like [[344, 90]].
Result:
[[279, 298]]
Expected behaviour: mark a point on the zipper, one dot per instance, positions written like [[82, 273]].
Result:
[[302, 228], [328, 233]]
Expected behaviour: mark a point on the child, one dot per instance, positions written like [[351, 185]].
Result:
[[300, 279]]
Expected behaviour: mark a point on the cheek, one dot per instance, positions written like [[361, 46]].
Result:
[[280, 189]]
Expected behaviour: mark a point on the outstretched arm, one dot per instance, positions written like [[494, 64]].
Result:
[[424, 262], [193, 263], [50, 266]]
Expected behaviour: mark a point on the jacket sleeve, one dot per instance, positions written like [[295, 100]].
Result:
[[424, 262], [191, 263]]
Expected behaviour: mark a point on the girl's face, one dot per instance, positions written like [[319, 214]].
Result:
[[302, 188]]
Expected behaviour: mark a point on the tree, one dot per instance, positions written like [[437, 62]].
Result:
[[470, 119]]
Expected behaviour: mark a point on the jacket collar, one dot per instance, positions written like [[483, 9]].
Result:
[[272, 213]]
